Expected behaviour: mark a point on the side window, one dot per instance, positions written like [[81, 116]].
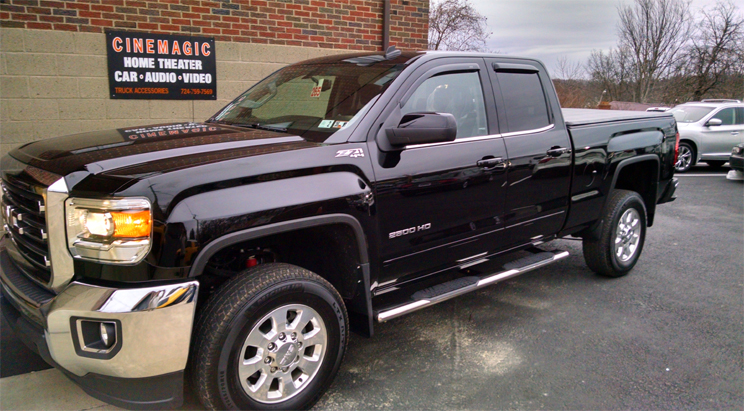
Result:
[[726, 115], [459, 94], [739, 116], [524, 100]]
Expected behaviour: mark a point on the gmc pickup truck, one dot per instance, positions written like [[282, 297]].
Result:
[[237, 254]]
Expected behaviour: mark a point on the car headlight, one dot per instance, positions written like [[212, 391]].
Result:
[[115, 231]]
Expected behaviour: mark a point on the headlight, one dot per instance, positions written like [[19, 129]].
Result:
[[115, 231], [736, 150]]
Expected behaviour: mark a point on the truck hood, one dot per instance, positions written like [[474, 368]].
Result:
[[139, 151]]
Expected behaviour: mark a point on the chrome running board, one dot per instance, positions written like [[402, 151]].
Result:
[[460, 286]]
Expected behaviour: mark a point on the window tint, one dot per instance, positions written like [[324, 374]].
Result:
[[459, 94], [524, 100], [726, 115]]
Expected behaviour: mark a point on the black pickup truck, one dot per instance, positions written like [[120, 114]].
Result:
[[334, 194]]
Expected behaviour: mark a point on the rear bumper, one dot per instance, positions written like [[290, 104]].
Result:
[[144, 367], [668, 194]]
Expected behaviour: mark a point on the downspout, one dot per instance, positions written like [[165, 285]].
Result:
[[385, 25]]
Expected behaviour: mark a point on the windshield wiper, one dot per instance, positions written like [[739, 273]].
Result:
[[253, 125]]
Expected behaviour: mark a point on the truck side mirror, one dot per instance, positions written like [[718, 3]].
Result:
[[423, 128], [714, 122]]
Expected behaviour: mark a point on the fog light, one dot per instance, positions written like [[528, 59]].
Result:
[[108, 334], [96, 338]]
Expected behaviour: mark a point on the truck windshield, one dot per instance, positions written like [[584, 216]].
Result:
[[311, 100], [689, 114]]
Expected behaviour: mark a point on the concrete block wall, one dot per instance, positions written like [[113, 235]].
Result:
[[54, 83]]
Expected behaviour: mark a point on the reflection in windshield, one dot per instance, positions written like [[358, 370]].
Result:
[[689, 114], [311, 100]]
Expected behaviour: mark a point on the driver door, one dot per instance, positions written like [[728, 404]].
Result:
[[437, 207]]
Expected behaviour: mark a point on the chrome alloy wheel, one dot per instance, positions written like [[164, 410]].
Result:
[[627, 235], [684, 158], [282, 353]]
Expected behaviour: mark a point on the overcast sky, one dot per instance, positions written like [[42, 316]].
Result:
[[549, 29]]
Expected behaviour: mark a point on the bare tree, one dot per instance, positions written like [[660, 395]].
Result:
[[717, 50], [456, 25], [613, 72], [655, 33]]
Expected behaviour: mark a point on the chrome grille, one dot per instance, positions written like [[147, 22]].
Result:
[[23, 210]]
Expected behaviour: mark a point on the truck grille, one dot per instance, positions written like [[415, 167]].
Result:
[[24, 213]]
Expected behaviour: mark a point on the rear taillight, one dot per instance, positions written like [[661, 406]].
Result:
[[676, 149]]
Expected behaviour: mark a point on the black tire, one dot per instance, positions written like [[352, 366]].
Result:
[[600, 254], [234, 310], [683, 163], [715, 163]]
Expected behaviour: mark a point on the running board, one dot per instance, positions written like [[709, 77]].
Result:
[[451, 289]]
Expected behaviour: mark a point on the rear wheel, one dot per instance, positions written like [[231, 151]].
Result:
[[686, 157], [621, 239], [272, 337]]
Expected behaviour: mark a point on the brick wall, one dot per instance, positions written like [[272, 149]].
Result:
[[53, 68], [349, 25]]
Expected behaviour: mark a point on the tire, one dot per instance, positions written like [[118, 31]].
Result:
[[601, 255], [715, 163], [686, 158], [245, 317]]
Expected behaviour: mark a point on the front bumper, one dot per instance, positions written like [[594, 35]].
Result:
[[736, 162], [144, 368]]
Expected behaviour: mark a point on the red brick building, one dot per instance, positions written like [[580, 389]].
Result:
[[53, 67]]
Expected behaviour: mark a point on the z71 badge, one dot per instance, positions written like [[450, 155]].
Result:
[[350, 152]]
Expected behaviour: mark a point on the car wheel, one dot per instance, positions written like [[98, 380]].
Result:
[[716, 163], [686, 157], [272, 337], [621, 239]]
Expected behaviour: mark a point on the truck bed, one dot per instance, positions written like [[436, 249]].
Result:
[[575, 117]]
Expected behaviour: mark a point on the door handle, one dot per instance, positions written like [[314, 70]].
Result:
[[734, 133], [557, 152], [492, 163]]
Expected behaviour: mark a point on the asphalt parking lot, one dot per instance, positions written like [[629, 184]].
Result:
[[667, 336]]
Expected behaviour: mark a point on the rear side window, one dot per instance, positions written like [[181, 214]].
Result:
[[524, 101], [739, 116]]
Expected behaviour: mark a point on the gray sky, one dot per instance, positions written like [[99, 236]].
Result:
[[549, 29]]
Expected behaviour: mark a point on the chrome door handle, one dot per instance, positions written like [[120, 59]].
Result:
[[557, 152], [734, 133], [492, 163]]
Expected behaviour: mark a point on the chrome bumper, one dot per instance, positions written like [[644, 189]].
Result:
[[155, 323]]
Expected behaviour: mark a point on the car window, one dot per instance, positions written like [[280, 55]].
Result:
[[739, 116], [689, 114], [524, 100], [726, 115], [459, 94]]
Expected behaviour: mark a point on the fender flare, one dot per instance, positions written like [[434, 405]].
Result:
[[218, 244]]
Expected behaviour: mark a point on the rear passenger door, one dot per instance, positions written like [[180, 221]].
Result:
[[538, 146]]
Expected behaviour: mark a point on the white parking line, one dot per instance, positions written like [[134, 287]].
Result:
[[700, 175]]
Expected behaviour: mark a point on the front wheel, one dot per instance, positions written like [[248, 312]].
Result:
[[621, 239], [271, 337]]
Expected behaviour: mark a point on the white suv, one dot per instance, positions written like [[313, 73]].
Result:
[[708, 130]]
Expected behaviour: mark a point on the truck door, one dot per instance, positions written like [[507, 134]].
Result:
[[442, 202], [539, 148]]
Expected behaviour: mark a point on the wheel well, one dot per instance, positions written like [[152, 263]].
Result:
[[694, 147], [331, 251], [641, 177]]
